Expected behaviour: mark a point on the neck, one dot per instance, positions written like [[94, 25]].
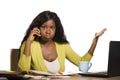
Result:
[[43, 42]]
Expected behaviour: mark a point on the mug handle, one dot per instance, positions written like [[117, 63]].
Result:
[[90, 65]]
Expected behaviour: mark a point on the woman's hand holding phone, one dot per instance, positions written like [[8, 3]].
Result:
[[35, 32]]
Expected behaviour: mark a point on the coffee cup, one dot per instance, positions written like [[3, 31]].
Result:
[[84, 66]]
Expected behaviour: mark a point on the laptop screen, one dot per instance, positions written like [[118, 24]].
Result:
[[114, 58]]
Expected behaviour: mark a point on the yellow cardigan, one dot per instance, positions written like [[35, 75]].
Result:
[[36, 60]]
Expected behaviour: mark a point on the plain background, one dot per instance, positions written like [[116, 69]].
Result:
[[81, 20]]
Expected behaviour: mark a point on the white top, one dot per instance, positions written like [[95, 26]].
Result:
[[53, 66]]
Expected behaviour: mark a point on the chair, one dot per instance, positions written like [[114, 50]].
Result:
[[14, 57]]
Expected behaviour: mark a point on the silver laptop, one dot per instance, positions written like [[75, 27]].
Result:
[[113, 62]]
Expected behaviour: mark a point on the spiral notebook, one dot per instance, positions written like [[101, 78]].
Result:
[[113, 68]]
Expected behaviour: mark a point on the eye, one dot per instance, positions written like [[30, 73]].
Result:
[[52, 27], [43, 27]]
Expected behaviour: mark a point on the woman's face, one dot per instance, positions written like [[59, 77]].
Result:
[[47, 30]]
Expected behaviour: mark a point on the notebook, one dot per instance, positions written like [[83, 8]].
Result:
[[113, 68]]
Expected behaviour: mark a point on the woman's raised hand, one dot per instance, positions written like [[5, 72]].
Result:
[[100, 33]]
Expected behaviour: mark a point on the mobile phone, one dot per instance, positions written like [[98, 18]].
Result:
[[36, 37]]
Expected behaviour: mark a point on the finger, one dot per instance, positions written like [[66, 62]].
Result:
[[100, 33], [36, 29], [36, 33], [103, 30]]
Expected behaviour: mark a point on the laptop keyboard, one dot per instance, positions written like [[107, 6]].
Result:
[[95, 74]]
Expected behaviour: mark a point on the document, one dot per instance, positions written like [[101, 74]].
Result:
[[52, 74], [40, 74]]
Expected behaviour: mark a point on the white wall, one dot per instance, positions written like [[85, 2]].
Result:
[[80, 18]]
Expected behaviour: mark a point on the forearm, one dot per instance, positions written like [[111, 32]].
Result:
[[93, 45], [24, 63], [95, 40], [27, 48]]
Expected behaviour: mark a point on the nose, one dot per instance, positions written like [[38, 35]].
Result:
[[47, 31]]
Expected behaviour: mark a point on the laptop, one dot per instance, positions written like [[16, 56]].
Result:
[[113, 62]]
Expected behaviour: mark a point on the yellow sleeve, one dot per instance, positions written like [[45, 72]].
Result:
[[24, 63], [73, 57], [86, 57]]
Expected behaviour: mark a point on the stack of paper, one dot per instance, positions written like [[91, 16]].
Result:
[[39, 75]]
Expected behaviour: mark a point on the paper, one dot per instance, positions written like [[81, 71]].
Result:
[[52, 74], [36, 77], [45, 77], [58, 77]]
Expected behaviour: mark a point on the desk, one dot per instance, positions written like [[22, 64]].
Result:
[[79, 77], [75, 77]]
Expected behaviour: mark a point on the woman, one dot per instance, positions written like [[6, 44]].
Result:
[[45, 47]]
